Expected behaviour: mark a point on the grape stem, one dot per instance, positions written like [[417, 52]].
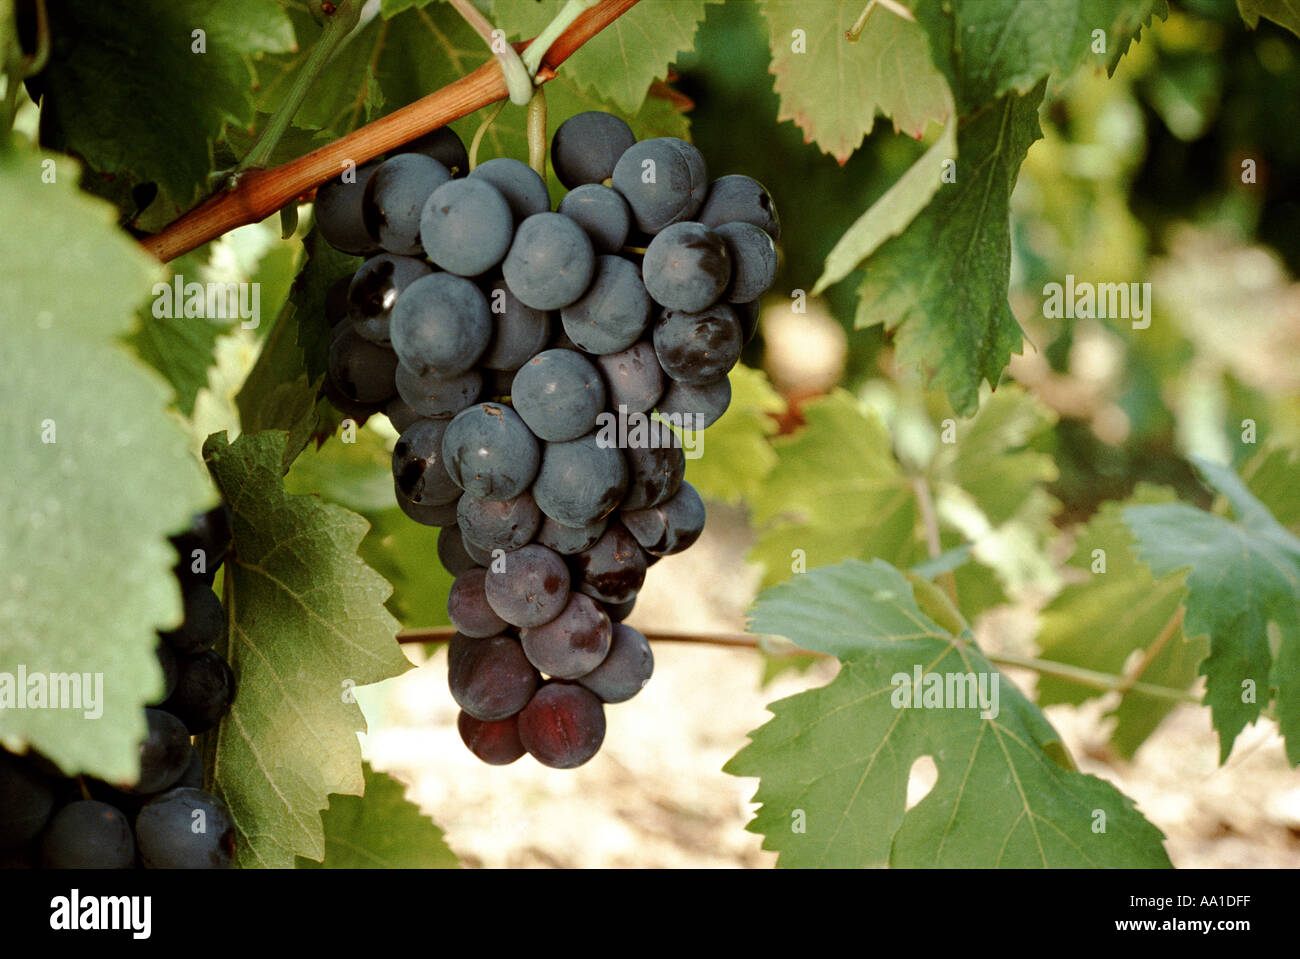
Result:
[[341, 21], [541, 44], [537, 133], [519, 79], [930, 520], [1075, 674], [480, 133], [260, 193]]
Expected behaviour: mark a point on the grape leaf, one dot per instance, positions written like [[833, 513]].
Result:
[[307, 624], [895, 209], [837, 491], [1285, 13], [281, 390], [988, 48], [380, 830], [941, 285], [1244, 593], [84, 560], [736, 455], [619, 63], [359, 476], [1274, 476], [834, 762], [1097, 624], [181, 349], [128, 91], [832, 88]]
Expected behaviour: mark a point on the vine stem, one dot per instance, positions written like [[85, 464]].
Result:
[[1154, 649], [1076, 674], [537, 132], [518, 79], [262, 192], [340, 23], [929, 519]]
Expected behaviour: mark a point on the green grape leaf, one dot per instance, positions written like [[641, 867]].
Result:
[[1098, 623], [380, 830], [1285, 13], [181, 349], [621, 61], [834, 762], [891, 214], [1244, 593], [406, 553], [832, 88], [988, 48], [1273, 477], [307, 625], [359, 476], [941, 285], [281, 390], [837, 491], [131, 93], [84, 559], [735, 453]]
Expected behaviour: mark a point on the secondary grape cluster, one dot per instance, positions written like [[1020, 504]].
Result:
[[165, 820], [520, 353]]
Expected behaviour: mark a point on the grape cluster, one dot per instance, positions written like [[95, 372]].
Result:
[[520, 353], [50, 821]]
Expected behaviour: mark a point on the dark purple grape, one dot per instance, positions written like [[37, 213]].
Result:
[[498, 524], [395, 197], [559, 394], [88, 834], [468, 609], [419, 469], [580, 482], [490, 452], [586, 147], [627, 668], [374, 289], [620, 611], [443, 145], [438, 397], [563, 725], [612, 570], [670, 527], [361, 371], [452, 554], [203, 546], [439, 514], [204, 691], [602, 213], [634, 379], [519, 332], [205, 620], [525, 191], [186, 829], [566, 540], [613, 311], [695, 407], [655, 473], [497, 744], [164, 754], [26, 800], [664, 181], [170, 670], [573, 643], [740, 199], [528, 587], [753, 261], [490, 678], [697, 348]]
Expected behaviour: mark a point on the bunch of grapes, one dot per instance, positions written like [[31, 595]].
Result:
[[521, 353], [164, 820]]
